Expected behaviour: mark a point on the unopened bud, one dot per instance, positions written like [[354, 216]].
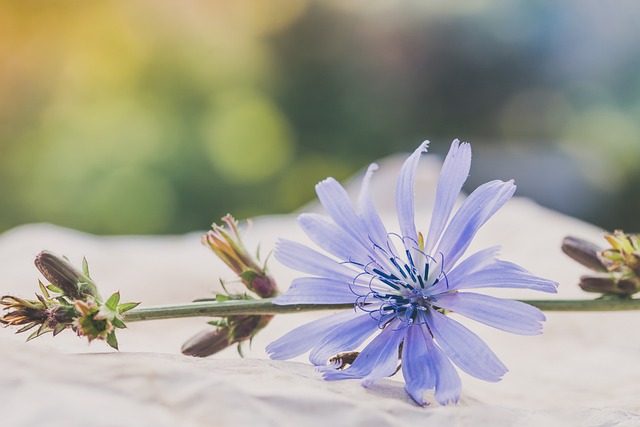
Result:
[[609, 284], [259, 282], [235, 330], [71, 281], [584, 252], [207, 342]]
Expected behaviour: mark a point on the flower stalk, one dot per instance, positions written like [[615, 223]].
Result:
[[72, 301], [266, 307]]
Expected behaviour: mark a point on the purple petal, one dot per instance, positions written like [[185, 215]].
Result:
[[474, 212], [511, 316], [464, 348], [304, 259], [448, 384], [454, 173], [475, 262], [320, 290], [417, 367], [303, 338], [367, 210], [346, 337], [330, 237], [405, 199], [465, 269], [336, 201], [378, 359], [501, 274]]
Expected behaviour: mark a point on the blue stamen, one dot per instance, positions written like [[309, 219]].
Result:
[[389, 283], [409, 258], [381, 273], [409, 270], [395, 263]]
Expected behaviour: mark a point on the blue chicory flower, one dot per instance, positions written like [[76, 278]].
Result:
[[403, 293]]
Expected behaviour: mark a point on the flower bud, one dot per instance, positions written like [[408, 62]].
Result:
[[228, 246], [609, 284], [584, 252], [71, 281], [224, 240], [207, 342], [621, 261], [233, 330], [75, 304], [22, 312], [47, 314]]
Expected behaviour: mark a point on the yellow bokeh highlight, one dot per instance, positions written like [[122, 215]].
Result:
[[130, 201], [248, 139]]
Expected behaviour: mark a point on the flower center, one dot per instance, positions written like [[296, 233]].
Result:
[[398, 288]]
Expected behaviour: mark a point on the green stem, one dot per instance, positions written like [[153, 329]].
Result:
[[613, 304], [266, 306]]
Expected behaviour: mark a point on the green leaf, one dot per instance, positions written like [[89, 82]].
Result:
[[42, 300], [54, 288], [112, 302], [62, 300], [208, 299], [118, 323], [43, 329], [85, 267], [59, 328], [26, 328], [44, 291], [249, 275], [222, 298], [112, 340], [240, 350], [219, 323], [33, 335], [126, 306]]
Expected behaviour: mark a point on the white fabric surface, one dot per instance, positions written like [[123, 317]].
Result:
[[584, 370]]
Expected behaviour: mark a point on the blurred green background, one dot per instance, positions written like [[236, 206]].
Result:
[[160, 116]]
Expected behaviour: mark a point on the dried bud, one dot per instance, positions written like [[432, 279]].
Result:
[[70, 301], [227, 245], [46, 314], [22, 312]]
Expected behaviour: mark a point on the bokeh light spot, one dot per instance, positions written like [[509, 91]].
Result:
[[130, 201], [247, 138], [297, 184]]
